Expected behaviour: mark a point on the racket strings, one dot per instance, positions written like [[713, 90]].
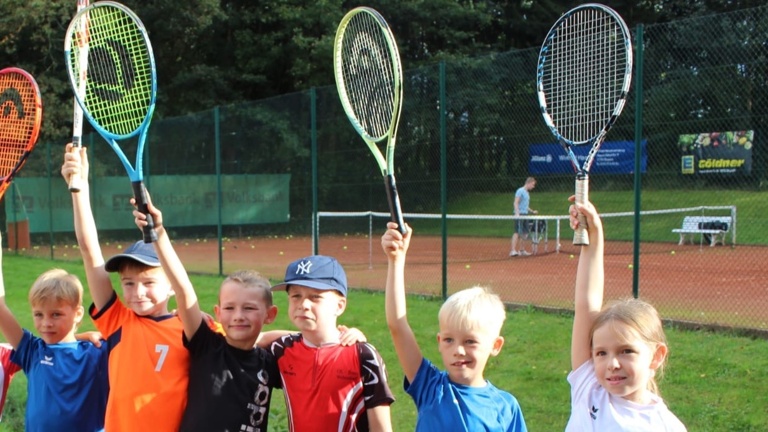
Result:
[[118, 78], [368, 75], [585, 73], [19, 119]]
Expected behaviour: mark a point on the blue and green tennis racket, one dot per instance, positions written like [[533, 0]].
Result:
[[120, 82]]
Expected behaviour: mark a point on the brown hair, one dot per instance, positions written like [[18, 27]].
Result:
[[252, 279]]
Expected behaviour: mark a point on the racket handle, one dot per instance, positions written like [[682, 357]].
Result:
[[140, 195], [394, 202], [581, 234]]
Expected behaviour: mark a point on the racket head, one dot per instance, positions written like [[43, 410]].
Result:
[[120, 81], [21, 115], [584, 73], [368, 72]]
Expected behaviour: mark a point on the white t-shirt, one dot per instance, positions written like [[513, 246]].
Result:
[[594, 409]]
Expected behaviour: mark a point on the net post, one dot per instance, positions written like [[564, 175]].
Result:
[[638, 157]]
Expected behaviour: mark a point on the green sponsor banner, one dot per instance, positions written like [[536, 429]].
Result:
[[185, 200], [723, 153]]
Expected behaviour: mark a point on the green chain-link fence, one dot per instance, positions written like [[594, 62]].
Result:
[[470, 134]]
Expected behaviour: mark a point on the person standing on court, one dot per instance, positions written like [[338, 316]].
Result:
[[522, 201]]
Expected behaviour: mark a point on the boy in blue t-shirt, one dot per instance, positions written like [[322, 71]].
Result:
[[66, 378], [459, 398]]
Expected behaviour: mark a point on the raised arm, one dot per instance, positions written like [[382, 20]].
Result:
[[186, 298], [99, 283], [590, 281], [395, 246], [379, 419], [9, 326]]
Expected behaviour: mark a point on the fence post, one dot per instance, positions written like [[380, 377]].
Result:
[[443, 181], [638, 156], [217, 147], [313, 152]]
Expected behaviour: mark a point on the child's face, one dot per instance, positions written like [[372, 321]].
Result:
[[146, 290], [624, 363], [242, 311], [56, 320], [314, 310], [465, 353]]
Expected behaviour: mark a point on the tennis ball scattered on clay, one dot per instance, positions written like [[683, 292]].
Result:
[[281, 252], [345, 248], [466, 266], [630, 266], [672, 253], [571, 256]]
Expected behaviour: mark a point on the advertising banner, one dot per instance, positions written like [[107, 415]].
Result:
[[725, 153], [614, 157], [187, 200]]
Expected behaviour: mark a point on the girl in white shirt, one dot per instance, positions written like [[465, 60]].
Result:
[[616, 351]]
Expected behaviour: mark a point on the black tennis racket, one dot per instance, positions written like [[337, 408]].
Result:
[[120, 83], [583, 76], [77, 112], [368, 72], [21, 115]]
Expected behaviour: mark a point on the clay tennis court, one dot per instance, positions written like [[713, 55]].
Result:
[[689, 285]]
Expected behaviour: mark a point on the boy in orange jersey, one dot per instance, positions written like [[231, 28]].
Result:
[[148, 364]]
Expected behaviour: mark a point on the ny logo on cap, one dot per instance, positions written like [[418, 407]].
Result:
[[304, 267]]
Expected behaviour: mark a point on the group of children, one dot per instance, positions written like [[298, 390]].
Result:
[[188, 371]]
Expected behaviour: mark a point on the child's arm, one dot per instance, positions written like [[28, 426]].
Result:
[[379, 419], [186, 300], [99, 283], [590, 278], [9, 326], [93, 337], [395, 246], [349, 336]]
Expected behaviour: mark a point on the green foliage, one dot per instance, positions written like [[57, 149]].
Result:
[[716, 389]]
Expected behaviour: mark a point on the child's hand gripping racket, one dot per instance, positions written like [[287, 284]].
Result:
[[583, 77], [120, 82], [21, 114], [368, 73]]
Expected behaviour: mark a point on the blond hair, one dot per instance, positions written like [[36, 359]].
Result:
[[252, 279], [474, 308], [643, 319], [56, 285]]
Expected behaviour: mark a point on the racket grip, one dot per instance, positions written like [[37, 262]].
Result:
[[140, 195], [394, 202], [74, 180], [581, 234]]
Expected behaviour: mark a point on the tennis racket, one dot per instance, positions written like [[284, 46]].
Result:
[[120, 83], [368, 73], [583, 76], [77, 112], [21, 114]]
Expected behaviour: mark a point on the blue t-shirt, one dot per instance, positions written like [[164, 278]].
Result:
[[525, 200], [67, 384], [445, 406]]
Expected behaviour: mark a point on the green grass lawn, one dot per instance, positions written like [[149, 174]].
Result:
[[713, 382]]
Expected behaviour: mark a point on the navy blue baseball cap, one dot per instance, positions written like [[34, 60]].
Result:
[[317, 271], [139, 251]]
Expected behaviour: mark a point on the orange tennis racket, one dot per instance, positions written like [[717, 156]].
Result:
[[21, 114]]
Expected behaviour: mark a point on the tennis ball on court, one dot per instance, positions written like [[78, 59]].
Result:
[[119, 246], [630, 266], [466, 266], [281, 252], [672, 253], [571, 256], [186, 243], [223, 248], [345, 248]]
